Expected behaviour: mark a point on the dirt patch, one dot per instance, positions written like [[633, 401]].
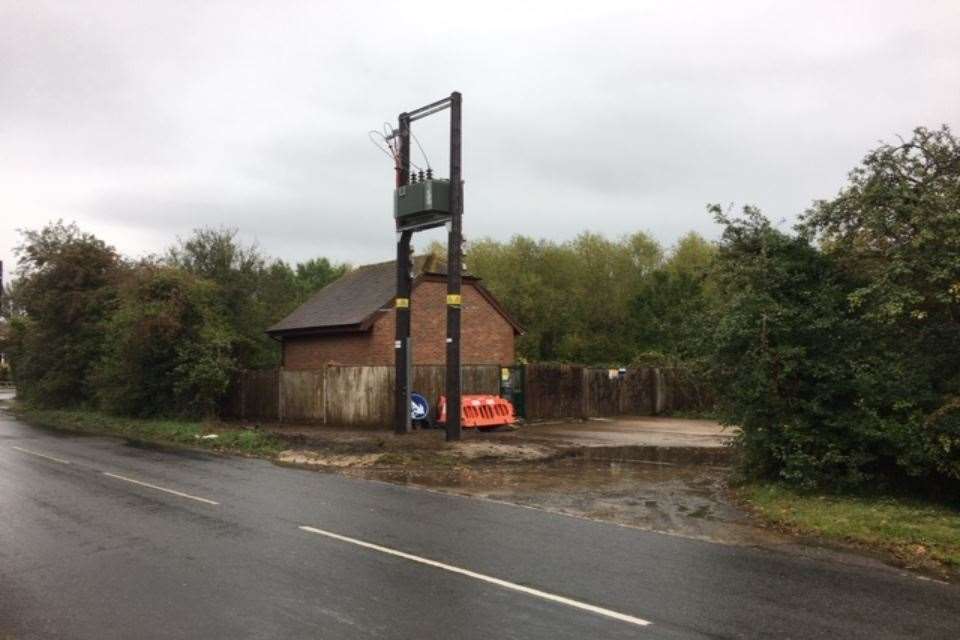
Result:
[[462, 453], [348, 449], [337, 461], [656, 439], [689, 500], [633, 472], [502, 451], [652, 431]]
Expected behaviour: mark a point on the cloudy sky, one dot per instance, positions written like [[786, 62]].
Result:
[[143, 120]]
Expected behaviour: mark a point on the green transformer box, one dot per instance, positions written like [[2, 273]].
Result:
[[422, 205]]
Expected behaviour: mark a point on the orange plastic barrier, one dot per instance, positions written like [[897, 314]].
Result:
[[481, 412]]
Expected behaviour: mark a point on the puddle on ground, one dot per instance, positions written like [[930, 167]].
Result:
[[683, 499]]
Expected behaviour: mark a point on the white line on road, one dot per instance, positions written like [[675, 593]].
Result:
[[485, 578], [153, 486], [41, 455]]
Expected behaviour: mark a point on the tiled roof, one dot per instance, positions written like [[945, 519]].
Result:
[[350, 302]]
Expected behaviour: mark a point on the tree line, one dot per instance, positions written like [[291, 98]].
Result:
[[834, 344], [150, 337]]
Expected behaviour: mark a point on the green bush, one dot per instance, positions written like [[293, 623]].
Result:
[[168, 347], [938, 444], [65, 288], [162, 337], [837, 348], [778, 356]]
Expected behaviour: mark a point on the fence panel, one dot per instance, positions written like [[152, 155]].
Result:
[[554, 391], [430, 380], [480, 379], [301, 396], [637, 392], [359, 396], [364, 396], [678, 390], [601, 393]]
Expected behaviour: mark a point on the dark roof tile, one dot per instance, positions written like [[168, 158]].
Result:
[[350, 301]]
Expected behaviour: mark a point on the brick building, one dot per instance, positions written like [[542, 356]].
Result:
[[351, 321]]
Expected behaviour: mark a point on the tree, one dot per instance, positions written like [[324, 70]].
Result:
[[65, 290], [668, 311], [828, 388], [693, 255], [252, 293], [574, 298], [894, 230], [253, 290], [160, 337], [896, 226], [168, 350], [315, 274], [781, 357]]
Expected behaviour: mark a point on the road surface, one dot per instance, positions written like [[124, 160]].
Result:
[[102, 539]]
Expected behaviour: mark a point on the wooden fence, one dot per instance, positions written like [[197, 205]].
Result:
[[553, 390], [338, 395], [363, 396], [570, 391]]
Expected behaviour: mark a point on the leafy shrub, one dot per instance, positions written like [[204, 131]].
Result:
[[65, 289], [837, 349], [168, 347]]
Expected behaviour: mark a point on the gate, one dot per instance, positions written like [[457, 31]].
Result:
[[512, 384]]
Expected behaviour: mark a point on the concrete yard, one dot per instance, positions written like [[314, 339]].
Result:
[[531, 441], [647, 431]]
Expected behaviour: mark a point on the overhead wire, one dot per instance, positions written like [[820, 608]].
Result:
[[383, 146], [389, 143], [426, 160]]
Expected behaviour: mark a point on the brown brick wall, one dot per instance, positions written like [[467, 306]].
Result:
[[314, 352], [487, 338]]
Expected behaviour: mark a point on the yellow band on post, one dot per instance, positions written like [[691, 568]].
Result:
[[402, 303], [453, 299]]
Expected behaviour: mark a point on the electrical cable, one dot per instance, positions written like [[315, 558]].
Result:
[[385, 146], [391, 138], [389, 143], [426, 160]]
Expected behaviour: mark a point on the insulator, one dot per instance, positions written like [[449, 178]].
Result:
[[429, 173], [421, 175]]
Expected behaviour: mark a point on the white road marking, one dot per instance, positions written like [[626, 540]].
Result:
[[485, 578], [41, 455], [153, 486]]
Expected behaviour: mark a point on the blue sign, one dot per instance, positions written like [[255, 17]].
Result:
[[419, 407]]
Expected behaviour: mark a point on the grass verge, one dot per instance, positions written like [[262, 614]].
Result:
[[918, 533], [180, 432]]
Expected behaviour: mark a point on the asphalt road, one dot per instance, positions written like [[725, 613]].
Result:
[[102, 539]]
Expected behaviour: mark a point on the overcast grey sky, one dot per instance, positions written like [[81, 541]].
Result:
[[143, 120]]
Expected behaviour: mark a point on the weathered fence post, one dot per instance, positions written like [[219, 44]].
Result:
[[326, 384], [279, 394]]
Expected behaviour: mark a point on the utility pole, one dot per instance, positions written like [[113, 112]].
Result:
[[418, 205], [454, 268], [402, 347]]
